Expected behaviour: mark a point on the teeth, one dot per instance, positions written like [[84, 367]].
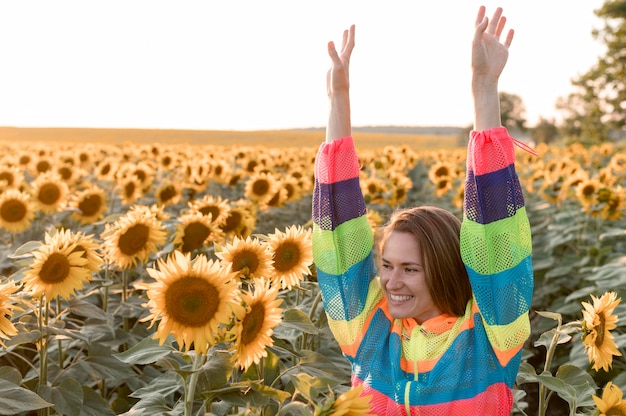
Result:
[[399, 298]]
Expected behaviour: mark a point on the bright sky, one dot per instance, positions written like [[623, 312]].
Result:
[[254, 64]]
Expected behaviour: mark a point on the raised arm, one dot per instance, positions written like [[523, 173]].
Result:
[[489, 57], [338, 87]]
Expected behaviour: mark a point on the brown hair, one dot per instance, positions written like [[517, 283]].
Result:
[[437, 232]]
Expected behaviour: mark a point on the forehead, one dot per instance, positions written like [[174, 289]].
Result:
[[401, 246]]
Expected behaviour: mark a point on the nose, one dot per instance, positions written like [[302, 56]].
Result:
[[394, 280]]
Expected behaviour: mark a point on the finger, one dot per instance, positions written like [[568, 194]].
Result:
[[349, 43], [494, 20], [500, 27], [332, 52], [509, 38], [480, 16], [480, 29]]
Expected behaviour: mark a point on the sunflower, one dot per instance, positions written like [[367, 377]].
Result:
[[16, 211], [586, 192], [598, 321], [440, 169], [611, 402], [168, 192], [129, 188], [241, 219], [133, 237], [193, 230], [217, 209], [49, 192], [12, 177], [248, 258], [613, 203], [255, 324], [292, 254], [373, 189], [43, 164], [58, 269], [192, 299], [107, 169], [260, 188], [7, 307], [351, 403], [90, 204]]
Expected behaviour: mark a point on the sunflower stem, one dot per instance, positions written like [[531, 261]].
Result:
[[190, 386], [42, 321], [59, 342], [543, 400], [125, 295]]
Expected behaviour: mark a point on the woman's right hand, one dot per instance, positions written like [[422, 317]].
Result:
[[338, 77]]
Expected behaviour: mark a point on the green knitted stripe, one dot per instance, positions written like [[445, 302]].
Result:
[[498, 246], [334, 252]]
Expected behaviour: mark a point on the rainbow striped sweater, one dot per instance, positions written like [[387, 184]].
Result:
[[448, 365]]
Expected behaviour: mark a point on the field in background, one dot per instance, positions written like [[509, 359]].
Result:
[[367, 137]]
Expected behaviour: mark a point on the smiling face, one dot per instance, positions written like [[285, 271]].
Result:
[[403, 278]]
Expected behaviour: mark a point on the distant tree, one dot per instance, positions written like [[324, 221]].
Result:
[[597, 107], [512, 111], [544, 132]]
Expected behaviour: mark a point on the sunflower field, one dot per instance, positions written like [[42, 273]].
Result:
[[161, 279]]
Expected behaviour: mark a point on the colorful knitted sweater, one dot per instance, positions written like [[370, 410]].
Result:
[[448, 365]]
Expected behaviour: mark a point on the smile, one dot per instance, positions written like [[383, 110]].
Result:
[[399, 298]]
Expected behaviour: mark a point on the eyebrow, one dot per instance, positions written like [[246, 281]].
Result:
[[408, 263]]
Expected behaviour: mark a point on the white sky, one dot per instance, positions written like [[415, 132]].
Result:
[[247, 65]]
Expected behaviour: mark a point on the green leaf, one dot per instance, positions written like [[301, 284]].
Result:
[[270, 392], [86, 309], [215, 373], [94, 405], [551, 315], [526, 374], [296, 319], [11, 375], [582, 382], [15, 399], [67, 397], [147, 351], [107, 368], [164, 385], [25, 250]]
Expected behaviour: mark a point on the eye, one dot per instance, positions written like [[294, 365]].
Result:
[[386, 266], [411, 270]]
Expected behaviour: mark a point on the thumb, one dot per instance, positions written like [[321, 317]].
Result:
[[332, 52]]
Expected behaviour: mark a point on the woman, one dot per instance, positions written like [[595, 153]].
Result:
[[435, 326]]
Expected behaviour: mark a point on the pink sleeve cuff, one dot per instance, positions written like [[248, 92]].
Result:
[[490, 150], [336, 161]]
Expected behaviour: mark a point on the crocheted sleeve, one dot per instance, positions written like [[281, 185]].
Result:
[[496, 241], [342, 242]]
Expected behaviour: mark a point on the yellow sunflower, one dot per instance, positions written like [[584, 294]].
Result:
[[292, 255], [169, 192], [256, 323], [351, 403], [130, 190], [7, 307], [107, 169], [260, 188], [611, 403], [241, 219], [58, 269], [86, 244], [192, 299], [90, 204], [49, 192], [133, 237], [16, 211], [586, 192], [598, 321], [193, 230], [441, 169], [247, 257], [12, 177], [217, 208]]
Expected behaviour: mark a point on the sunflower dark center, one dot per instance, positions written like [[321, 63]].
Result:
[[260, 187], [13, 210], [233, 222], [55, 269], [43, 166], [65, 172], [90, 205], [8, 177], [49, 193], [129, 188], [195, 235], [286, 256], [210, 209], [134, 239], [600, 330], [192, 301], [252, 323], [167, 193], [245, 259]]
